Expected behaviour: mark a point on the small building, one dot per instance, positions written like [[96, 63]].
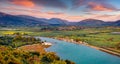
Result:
[[46, 43], [115, 32]]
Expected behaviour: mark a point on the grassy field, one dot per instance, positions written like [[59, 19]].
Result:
[[102, 37]]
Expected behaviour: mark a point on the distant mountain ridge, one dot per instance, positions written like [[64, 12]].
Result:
[[24, 20], [14, 20]]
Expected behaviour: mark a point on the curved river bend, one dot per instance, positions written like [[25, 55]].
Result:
[[80, 54]]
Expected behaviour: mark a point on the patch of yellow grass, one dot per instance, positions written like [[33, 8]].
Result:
[[8, 32], [12, 32]]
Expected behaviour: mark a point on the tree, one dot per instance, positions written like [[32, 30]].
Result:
[[69, 62], [118, 45]]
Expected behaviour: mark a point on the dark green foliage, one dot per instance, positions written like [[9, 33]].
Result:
[[18, 40], [77, 39], [118, 45], [6, 40], [49, 57], [35, 53], [69, 62]]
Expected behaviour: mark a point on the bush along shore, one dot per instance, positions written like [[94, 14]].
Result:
[[26, 50], [104, 49]]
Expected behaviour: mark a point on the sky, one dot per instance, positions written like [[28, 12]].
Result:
[[71, 10]]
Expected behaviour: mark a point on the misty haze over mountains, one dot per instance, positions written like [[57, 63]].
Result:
[[24, 20]]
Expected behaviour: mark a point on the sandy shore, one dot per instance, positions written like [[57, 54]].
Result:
[[86, 44]]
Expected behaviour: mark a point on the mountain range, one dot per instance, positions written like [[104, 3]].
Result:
[[24, 20]]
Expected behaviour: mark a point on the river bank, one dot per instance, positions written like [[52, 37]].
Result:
[[36, 47], [107, 50]]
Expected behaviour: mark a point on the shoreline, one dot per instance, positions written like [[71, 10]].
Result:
[[34, 47], [86, 44]]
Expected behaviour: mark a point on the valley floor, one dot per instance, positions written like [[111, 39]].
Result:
[[104, 38]]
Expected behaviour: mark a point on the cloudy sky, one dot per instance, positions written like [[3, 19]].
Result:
[[72, 10]]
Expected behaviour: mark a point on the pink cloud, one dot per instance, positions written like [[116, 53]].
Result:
[[99, 7], [106, 17], [26, 3], [54, 13]]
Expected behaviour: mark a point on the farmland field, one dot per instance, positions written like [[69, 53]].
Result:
[[102, 37]]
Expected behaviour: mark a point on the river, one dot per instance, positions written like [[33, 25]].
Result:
[[80, 54]]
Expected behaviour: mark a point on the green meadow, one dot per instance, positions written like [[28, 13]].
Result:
[[102, 37]]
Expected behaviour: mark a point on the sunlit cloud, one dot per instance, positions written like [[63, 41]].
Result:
[[108, 17], [54, 13], [26, 3], [72, 10], [94, 5], [100, 7], [74, 18]]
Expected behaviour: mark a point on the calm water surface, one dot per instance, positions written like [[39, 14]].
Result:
[[80, 54]]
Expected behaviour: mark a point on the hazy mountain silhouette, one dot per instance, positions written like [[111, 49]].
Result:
[[24, 20]]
